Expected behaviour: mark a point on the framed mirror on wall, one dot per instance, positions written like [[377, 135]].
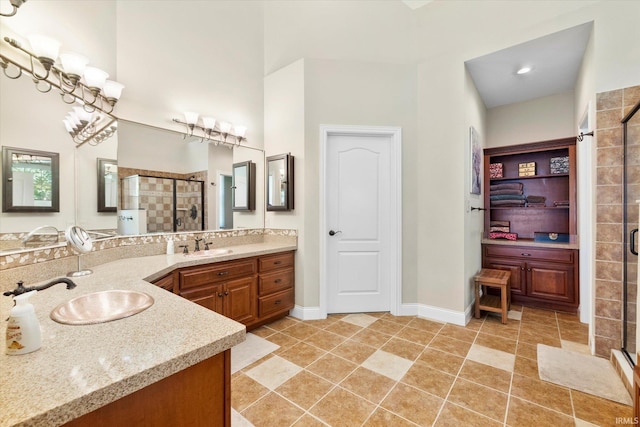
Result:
[[280, 182], [107, 185], [30, 180], [243, 186]]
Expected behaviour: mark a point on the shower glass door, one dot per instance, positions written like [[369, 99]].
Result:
[[631, 197]]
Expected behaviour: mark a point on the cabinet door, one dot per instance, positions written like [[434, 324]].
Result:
[[554, 282], [516, 268], [210, 297], [240, 299]]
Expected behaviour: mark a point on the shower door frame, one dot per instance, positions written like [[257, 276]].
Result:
[[626, 239]]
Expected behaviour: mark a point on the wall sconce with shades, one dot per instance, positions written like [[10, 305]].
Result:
[[15, 4], [71, 76], [93, 127], [209, 132]]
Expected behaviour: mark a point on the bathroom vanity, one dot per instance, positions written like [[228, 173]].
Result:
[[168, 365]]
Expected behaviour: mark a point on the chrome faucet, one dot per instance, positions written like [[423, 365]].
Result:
[[22, 289]]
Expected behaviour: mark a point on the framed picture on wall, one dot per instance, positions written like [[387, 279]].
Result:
[[476, 159]]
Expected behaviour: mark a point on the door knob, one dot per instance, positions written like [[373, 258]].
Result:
[[333, 233]]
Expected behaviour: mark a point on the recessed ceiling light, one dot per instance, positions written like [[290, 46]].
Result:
[[524, 70]]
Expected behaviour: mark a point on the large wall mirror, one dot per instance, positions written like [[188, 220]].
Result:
[[280, 182], [30, 180]]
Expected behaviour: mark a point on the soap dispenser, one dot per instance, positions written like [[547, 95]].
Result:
[[170, 247], [23, 329]]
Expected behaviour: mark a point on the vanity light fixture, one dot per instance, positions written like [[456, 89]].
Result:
[[212, 130], [15, 4], [89, 127], [68, 72]]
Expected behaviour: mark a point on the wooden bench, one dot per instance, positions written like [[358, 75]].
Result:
[[491, 278]]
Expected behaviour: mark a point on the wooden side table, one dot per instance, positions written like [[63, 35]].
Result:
[[491, 278]]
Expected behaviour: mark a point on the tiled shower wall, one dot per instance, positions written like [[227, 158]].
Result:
[[611, 108], [156, 196]]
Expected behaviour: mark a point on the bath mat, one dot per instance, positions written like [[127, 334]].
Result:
[[589, 374], [252, 349]]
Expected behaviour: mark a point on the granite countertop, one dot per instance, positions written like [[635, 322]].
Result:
[[81, 368]]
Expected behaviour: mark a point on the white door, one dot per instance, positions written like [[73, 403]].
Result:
[[361, 258]]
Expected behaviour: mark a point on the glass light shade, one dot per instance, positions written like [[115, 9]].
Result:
[[209, 122], [67, 125], [113, 89], [44, 47], [240, 130], [82, 114], [72, 63], [191, 117], [73, 118], [225, 127], [95, 77]]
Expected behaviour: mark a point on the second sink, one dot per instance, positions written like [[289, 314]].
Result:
[[101, 307], [210, 252]]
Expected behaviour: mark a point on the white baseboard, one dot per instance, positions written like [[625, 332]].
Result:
[[411, 309], [306, 313]]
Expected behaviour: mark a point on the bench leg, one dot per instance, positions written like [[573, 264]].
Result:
[[503, 303], [477, 303]]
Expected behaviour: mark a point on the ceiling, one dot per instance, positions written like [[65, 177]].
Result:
[[555, 61]]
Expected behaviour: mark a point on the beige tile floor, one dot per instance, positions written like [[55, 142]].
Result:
[[380, 370]]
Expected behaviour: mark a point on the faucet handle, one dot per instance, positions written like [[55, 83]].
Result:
[[185, 249], [20, 289], [206, 245]]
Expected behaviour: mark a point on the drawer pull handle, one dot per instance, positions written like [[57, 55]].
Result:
[[226, 293], [528, 269], [277, 281], [277, 262], [220, 294], [525, 254], [223, 273], [278, 302], [522, 268]]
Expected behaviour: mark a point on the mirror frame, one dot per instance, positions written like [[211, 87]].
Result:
[[7, 180], [249, 192], [288, 181], [102, 165]]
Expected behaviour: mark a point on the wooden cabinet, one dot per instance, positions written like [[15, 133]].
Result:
[[530, 192], [252, 291], [228, 288], [541, 277], [552, 187], [199, 395]]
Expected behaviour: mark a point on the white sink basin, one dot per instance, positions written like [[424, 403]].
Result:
[[101, 307], [209, 252]]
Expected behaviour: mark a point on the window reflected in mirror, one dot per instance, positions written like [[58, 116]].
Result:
[[280, 182], [30, 180], [107, 185]]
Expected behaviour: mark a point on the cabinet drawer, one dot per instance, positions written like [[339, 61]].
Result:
[[216, 273], [273, 262], [522, 252], [274, 303], [276, 281]]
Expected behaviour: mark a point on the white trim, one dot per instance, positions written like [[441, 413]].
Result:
[[396, 243], [443, 315], [306, 313]]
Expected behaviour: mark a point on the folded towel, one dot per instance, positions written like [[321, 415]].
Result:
[[507, 197], [504, 203], [500, 229], [505, 191], [496, 223], [506, 186], [536, 199]]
